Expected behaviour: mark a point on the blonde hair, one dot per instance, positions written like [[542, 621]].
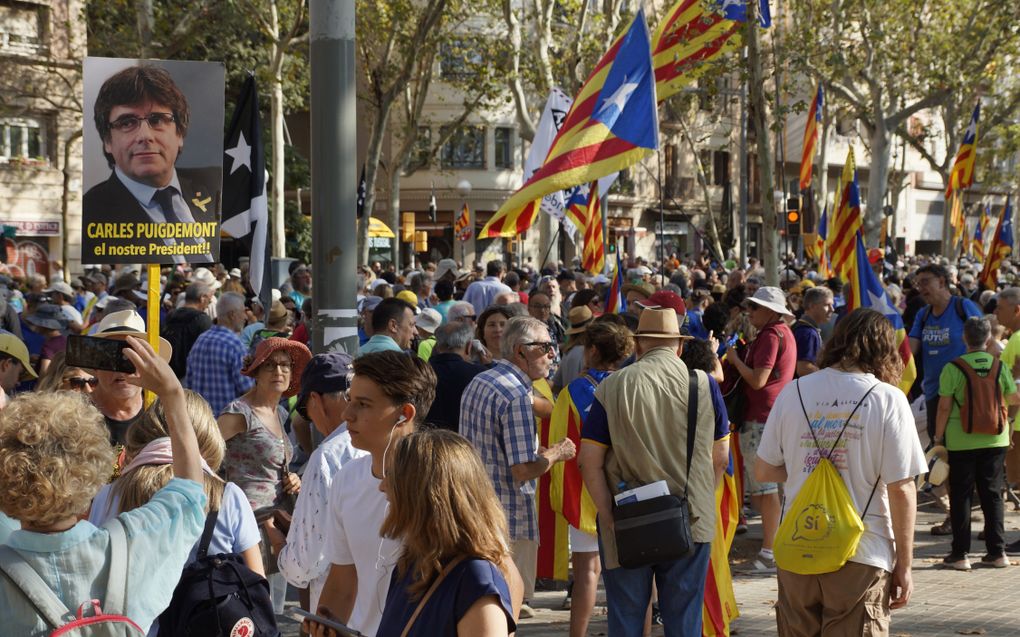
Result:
[[55, 454], [458, 515], [137, 487], [53, 377]]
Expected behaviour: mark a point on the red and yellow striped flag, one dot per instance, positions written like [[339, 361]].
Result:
[[692, 34], [957, 221], [812, 129], [460, 227], [720, 605], [1001, 248], [593, 257], [553, 554], [846, 222], [612, 124], [962, 174]]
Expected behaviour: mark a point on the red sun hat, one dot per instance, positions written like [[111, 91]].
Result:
[[299, 357], [664, 299]]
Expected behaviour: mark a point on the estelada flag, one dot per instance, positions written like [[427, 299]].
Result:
[[569, 496], [846, 222], [460, 227], [612, 124], [615, 303], [962, 174], [812, 129], [553, 554], [1001, 248], [720, 605], [692, 34], [588, 208], [865, 290]]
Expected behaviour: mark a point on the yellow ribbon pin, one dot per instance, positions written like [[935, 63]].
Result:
[[201, 203]]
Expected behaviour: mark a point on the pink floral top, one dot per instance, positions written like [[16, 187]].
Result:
[[256, 459]]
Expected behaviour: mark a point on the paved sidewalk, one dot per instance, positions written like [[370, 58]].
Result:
[[944, 602]]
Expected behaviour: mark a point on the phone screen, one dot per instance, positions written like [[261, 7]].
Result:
[[98, 353]]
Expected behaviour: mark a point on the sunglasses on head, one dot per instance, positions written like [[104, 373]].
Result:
[[79, 383]]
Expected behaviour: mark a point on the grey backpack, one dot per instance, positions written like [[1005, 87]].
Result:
[[99, 623]]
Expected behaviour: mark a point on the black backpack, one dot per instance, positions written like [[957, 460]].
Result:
[[219, 596]]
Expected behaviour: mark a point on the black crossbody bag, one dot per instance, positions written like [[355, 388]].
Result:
[[659, 529]]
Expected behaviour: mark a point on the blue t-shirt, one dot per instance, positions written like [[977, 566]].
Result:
[[468, 582], [941, 339], [696, 326], [808, 339]]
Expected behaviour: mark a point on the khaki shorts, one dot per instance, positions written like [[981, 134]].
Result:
[[750, 438], [525, 554], [850, 602]]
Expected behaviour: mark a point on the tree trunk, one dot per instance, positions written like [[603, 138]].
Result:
[[878, 179], [766, 161], [713, 230], [279, 244], [395, 211]]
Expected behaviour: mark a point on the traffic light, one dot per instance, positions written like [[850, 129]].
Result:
[[407, 227], [421, 241], [793, 216]]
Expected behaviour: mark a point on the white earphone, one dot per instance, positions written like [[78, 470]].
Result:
[[402, 418]]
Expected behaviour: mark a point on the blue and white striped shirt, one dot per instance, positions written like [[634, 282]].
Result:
[[497, 417]]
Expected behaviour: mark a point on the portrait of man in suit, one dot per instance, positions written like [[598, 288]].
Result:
[[142, 119]]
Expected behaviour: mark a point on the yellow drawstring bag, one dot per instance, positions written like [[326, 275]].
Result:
[[821, 528]]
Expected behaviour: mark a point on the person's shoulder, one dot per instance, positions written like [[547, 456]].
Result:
[[103, 190]]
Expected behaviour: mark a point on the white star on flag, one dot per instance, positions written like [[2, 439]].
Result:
[[241, 154], [880, 303], [620, 97]]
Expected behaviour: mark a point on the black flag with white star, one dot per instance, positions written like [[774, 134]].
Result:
[[362, 193], [245, 204]]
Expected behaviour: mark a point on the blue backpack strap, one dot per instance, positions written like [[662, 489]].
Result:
[[115, 600], [33, 587]]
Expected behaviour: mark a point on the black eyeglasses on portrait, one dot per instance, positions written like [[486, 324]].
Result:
[[546, 346], [79, 383], [130, 123]]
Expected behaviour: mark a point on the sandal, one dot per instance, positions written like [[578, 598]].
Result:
[[945, 528]]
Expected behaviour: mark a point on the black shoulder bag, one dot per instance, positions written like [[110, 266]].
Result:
[[659, 530]]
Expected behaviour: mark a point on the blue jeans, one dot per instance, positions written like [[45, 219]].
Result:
[[681, 588]]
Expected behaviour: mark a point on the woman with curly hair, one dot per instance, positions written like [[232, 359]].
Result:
[[851, 412], [455, 575], [55, 454]]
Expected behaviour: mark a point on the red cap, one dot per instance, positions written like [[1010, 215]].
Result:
[[665, 299], [875, 255]]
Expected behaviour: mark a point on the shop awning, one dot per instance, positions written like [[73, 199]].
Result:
[[377, 228]]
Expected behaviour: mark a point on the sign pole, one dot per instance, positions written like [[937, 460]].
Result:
[[152, 324]]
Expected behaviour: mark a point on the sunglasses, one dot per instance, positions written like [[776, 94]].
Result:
[[79, 383], [545, 346]]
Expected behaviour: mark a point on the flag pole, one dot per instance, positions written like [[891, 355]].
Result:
[[152, 317], [555, 236]]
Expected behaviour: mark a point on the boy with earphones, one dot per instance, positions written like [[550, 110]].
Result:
[[389, 394]]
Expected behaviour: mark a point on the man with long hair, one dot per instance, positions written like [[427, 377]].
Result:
[[877, 456]]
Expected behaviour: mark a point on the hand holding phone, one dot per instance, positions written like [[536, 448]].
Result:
[[339, 629], [91, 352]]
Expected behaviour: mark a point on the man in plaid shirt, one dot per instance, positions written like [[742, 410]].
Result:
[[496, 416], [214, 362]]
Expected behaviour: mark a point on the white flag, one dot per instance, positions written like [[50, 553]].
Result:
[[555, 112]]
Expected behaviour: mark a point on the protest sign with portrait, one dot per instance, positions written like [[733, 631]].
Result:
[[153, 149]]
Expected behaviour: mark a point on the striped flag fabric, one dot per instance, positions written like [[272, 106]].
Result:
[[812, 130], [569, 496], [977, 245], [461, 228], [692, 34], [612, 124], [553, 552], [962, 174], [615, 303], [957, 220], [1001, 248], [846, 222], [588, 207], [720, 605]]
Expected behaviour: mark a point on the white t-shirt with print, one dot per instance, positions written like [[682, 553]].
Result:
[[357, 509], [879, 445]]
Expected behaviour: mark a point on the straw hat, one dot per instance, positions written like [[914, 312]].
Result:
[[579, 318], [645, 289], [129, 323], [658, 323], [299, 357], [938, 465]]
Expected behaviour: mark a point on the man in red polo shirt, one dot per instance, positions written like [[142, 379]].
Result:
[[769, 364]]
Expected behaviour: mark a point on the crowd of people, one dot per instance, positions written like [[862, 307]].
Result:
[[397, 487]]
